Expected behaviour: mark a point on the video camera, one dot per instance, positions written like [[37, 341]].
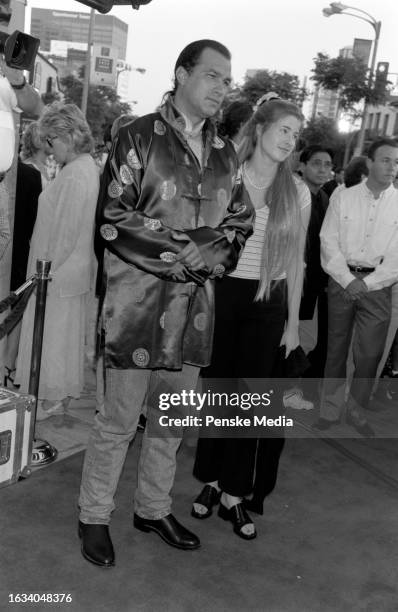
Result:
[[19, 49]]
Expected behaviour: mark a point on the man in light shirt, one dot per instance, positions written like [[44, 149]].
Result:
[[359, 251]]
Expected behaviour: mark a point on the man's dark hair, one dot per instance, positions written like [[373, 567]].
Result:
[[190, 55], [356, 169], [381, 142], [234, 116], [312, 150]]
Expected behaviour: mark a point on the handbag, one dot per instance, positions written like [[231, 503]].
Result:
[[293, 366]]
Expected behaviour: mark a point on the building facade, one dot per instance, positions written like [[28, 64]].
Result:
[[383, 120], [61, 28], [44, 76]]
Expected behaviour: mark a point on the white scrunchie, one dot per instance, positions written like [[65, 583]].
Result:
[[271, 95]]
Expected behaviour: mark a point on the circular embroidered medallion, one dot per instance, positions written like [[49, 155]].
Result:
[[168, 256], [168, 190], [141, 357], [200, 321], [230, 235], [219, 270], [152, 224], [126, 174], [108, 231], [114, 189], [218, 143], [159, 128], [222, 198], [133, 161]]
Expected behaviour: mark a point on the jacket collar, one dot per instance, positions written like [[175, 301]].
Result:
[[175, 118]]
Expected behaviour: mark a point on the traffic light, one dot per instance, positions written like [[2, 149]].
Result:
[[5, 11], [104, 6], [381, 78]]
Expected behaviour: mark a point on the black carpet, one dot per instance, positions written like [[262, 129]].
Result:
[[327, 542]]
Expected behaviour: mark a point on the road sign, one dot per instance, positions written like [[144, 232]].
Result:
[[103, 65]]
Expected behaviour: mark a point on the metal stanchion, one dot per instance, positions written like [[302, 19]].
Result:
[[41, 452]]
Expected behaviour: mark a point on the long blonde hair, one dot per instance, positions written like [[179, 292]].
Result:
[[281, 244]]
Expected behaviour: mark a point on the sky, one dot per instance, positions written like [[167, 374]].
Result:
[[281, 35]]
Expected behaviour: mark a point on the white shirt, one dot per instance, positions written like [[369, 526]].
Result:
[[249, 265], [194, 136], [361, 230], [8, 103]]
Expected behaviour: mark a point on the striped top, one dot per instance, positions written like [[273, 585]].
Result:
[[249, 264]]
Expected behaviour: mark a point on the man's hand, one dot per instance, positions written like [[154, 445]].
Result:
[[29, 100], [190, 255], [14, 76], [356, 289]]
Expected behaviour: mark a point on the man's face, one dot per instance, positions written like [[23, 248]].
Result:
[[203, 89], [383, 168], [317, 169]]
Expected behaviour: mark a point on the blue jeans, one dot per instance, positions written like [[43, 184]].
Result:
[[115, 425]]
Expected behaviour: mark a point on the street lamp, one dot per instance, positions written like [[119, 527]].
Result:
[[337, 8], [128, 68]]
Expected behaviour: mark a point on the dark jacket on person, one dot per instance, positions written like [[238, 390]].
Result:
[[157, 313], [27, 193], [315, 279]]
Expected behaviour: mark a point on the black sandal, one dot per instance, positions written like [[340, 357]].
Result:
[[239, 518], [208, 497]]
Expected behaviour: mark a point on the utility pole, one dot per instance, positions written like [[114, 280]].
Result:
[[87, 69]]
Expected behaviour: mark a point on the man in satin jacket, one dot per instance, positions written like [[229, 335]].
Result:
[[169, 227]]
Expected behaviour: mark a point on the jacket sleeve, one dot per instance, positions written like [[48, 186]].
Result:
[[222, 246], [129, 233]]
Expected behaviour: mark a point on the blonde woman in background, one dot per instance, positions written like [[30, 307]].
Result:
[[33, 152], [63, 234]]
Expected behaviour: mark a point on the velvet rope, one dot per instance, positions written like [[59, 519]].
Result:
[[15, 315]]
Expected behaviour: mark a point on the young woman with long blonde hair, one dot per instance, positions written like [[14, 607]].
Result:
[[257, 309]]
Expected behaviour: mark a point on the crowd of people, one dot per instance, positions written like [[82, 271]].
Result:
[[213, 251]]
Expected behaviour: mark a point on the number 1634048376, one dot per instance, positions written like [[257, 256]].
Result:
[[39, 597]]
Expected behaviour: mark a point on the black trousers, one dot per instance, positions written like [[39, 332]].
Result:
[[246, 340]]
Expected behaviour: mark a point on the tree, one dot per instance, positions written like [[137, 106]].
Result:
[[286, 85], [103, 104], [323, 131], [348, 75]]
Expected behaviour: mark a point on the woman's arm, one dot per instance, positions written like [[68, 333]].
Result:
[[295, 277]]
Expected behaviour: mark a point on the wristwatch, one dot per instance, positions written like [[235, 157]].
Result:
[[21, 85]]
